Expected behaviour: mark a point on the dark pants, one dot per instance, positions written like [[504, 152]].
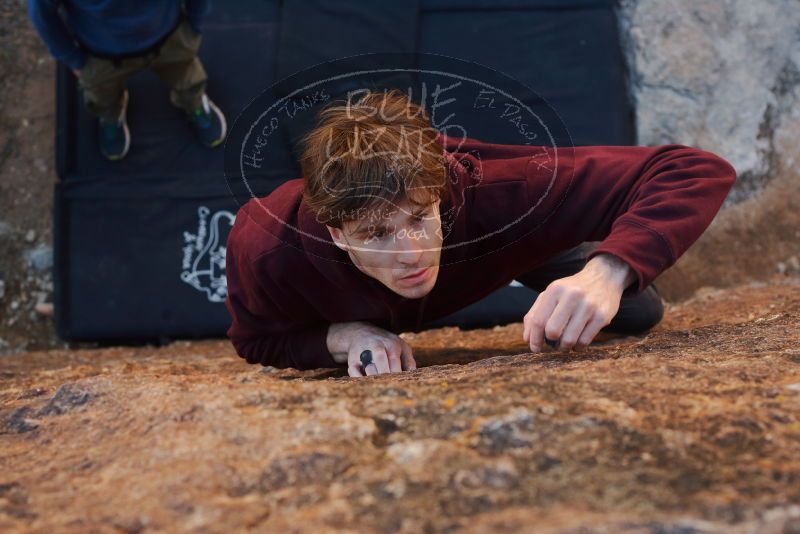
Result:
[[175, 62], [636, 314]]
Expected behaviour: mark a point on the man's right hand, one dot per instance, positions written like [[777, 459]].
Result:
[[390, 353]]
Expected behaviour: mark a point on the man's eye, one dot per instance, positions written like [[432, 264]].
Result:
[[377, 235]]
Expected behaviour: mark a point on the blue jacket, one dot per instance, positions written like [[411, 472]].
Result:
[[108, 27]]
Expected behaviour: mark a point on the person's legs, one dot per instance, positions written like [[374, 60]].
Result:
[[178, 65], [102, 82], [635, 315], [103, 85]]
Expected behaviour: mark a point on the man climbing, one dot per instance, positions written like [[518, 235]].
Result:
[[395, 224], [106, 42]]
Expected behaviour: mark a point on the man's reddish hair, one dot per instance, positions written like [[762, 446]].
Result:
[[369, 152]]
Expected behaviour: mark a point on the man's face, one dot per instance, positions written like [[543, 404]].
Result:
[[399, 246]]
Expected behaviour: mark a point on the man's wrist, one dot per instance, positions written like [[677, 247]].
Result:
[[617, 271]]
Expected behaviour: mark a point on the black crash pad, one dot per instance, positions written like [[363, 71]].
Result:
[[140, 242]]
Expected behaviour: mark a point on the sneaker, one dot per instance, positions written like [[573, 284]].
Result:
[[114, 137], [209, 123]]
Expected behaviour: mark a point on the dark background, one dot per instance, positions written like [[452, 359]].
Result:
[[119, 226]]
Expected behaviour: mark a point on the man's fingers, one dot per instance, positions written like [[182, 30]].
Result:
[[558, 320], [394, 354], [380, 363], [381, 359], [590, 331], [406, 358], [354, 371], [575, 327], [537, 318]]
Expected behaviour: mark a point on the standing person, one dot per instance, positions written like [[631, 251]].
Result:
[[104, 42]]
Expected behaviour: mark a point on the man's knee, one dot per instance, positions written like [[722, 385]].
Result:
[[638, 313]]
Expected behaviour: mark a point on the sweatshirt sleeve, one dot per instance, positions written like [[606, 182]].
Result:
[[647, 205], [261, 331], [50, 27]]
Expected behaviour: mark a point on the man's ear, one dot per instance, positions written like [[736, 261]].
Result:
[[338, 237]]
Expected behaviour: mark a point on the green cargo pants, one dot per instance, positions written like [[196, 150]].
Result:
[[103, 80]]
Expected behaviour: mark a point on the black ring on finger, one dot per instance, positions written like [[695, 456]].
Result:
[[366, 358]]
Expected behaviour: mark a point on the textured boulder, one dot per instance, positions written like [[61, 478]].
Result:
[[724, 75], [694, 427]]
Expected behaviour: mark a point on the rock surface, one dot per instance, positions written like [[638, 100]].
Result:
[[693, 428], [721, 74]]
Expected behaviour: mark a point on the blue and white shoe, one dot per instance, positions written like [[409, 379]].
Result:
[[209, 123]]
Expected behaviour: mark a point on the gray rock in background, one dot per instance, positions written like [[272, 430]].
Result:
[[39, 258], [722, 75]]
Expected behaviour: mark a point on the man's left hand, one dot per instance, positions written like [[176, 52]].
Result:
[[572, 310]]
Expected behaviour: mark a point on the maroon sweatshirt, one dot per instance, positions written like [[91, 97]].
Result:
[[510, 208]]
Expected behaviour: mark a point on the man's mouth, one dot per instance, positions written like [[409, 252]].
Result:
[[416, 276]]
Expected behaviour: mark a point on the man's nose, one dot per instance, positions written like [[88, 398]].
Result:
[[409, 250]]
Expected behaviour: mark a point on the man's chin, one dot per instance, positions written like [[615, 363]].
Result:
[[416, 292], [413, 293]]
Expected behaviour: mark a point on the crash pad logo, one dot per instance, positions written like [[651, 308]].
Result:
[[204, 253], [466, 106]]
